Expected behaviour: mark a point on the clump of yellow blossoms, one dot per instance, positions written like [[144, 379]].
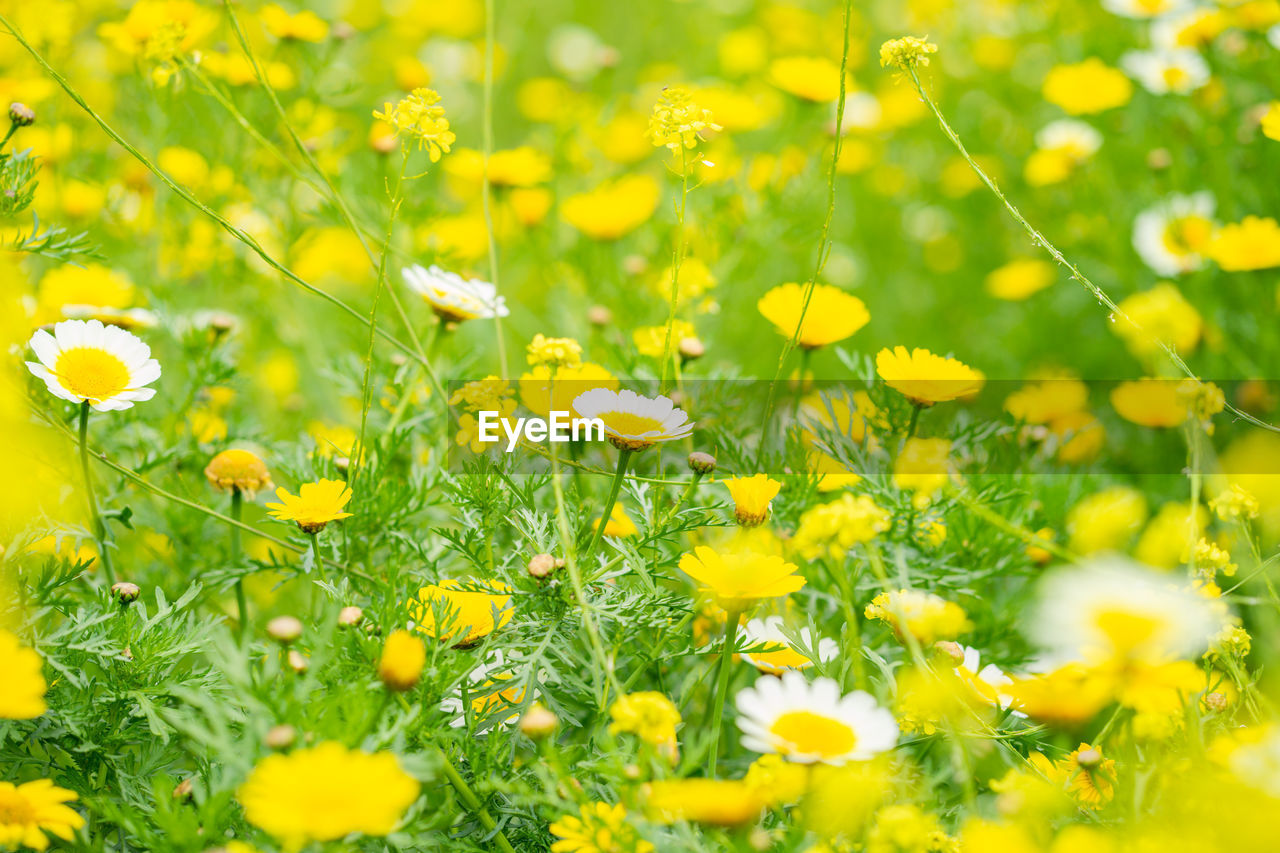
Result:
[[419, 116], [832, 529], [326, 793], [648, 715], [315, 505], [29, 810], [1235, 503], [557, 352], [677, 122], [922, 615], [907, 52], [23, 686], [599, 827]]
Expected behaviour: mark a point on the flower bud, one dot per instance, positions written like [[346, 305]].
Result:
[[948, 653], [349, 617], [1159, 159], [692, 348], [1089, 758], [403, 657], [701, 463], [21, 115], [538, 722], [297, 661], [126, 593], [238, 469], [284, 629], [542, 565], [1215, 702], [182, 793], [598, 315], [281, 737]]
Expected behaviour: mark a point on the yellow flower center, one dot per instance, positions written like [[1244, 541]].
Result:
[[15, 810], [812, 734], [92, 373], [626, 423], [1188, 234], [1125, 629]]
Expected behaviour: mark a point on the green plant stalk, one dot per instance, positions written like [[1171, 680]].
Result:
[[677, 259], [242, 605], [487, 187], [824, 244], [624, 456], [99, 525], [717, 705], [1043, 242], [472, 802], [315, 553]]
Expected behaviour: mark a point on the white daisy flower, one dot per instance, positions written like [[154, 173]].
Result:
[[1188, 28], [1170, 235], [1145, 8], [779, 654], [453, 297], [1070, 136], [810, 722], [631, 421], [83, 360], [495, 694], [988, 681], [125, 318], [1176, 71], [1116, 610]]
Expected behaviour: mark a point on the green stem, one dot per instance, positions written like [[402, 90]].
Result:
[[13, 128], [99, 526], [486, 201], [717, 706], [677, 258], [913, 423], [624, 456], [315, 554], [472, 802], [242, 606]]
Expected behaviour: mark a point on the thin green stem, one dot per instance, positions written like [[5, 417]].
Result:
[[717, 705], [624, 456], [1043, 242], [99, 525], [824, 243], [487, 189], [472, 802], [677, 259], [242, 606], [13, 128], [314, 535]]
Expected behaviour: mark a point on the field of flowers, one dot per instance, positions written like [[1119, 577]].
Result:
[[927, 497]]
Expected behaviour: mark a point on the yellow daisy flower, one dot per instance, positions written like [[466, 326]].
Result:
[[832, 315], [30, 810], [737, 581], [925, 378], [315, 505], [22, 687]]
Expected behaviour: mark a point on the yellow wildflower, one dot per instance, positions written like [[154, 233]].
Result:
[[419, 116]]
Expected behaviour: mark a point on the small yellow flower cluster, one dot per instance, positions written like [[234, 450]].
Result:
[[1234, 504], [419, 116], [677, 121], [558, 352], [1208, 559], [907, 52], [832, 529]]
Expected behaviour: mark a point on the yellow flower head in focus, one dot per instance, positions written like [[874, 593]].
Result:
[[403, 657], [1087, 87], [907, 52], [925, 378], [718, 802], [1085, 773], [751, 497], [419, 116], [677, 122], [325, 793], [461, 613], [556, 352], [923, 615], [84, 361], [598, 828], [648, 715], [810, 78], [23, 686], [830, 316], [30, 810], [1251, 244], [240, 470], [738, 580], [315, 505]]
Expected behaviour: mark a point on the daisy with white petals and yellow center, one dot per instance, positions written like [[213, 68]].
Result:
[[810, 722], [454, 298], [777, 654], [633, 422], [1171, 235], [85, 361]]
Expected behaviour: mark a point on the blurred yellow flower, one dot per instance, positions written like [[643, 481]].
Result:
[[598, 828], [922, 466], [1020, 278], [1106, 520], [620, 525], [811, 78], [830, 316], [525, 166], [922, 615], [403, 657], [832, 529], [325, 793], [648, 715], [1150, 402], [303, 26], [30, 810], [1085, 773], [557, 352], [238, 469], [461, 612], [1159, 314], [614, 208], [651, 341], [1251, 244], [718, 802], [22, 688], [1270, 121], [1087, 87]]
